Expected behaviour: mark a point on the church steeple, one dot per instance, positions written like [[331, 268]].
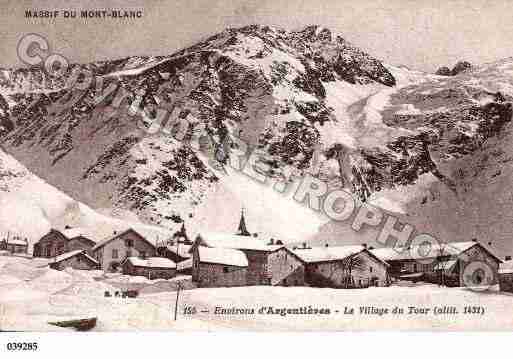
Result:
[[181, 235], [242, 230]]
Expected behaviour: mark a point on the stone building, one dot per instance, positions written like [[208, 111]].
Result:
[[78, 239], [443, 264], [219, 267], [112, 251], [151, 268], [58, 242], [285, 268], [267, 264], [343, 267], [77, 259]]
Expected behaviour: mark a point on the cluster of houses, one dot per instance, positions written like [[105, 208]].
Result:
[[241, 259], [126, 251]]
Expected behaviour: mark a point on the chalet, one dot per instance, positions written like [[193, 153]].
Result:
[[151, 268], [14, 245], [506, 276], [343, 267], [77, 259], [441, 264], [267, 264], [219, 267], [58, 242], [78, 240], [113, 250]]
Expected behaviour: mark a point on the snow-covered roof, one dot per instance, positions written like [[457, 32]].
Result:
[[324, 254], [73, 232], [71, 254], [227, 256], [506, 267], [186, 264], [152, 262], [112, 237], [223, 240], [424, 251], [181, 250]]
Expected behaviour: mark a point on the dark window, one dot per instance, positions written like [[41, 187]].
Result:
[[225, 270], [114, 254], [143, 254], [370, 269], [129, 243]]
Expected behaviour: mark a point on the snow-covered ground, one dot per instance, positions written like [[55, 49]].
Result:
[[31, 296]]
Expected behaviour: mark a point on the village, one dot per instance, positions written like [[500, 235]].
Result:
[[213, 260]]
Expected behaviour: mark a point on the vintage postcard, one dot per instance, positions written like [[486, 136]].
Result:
[[256, 166]]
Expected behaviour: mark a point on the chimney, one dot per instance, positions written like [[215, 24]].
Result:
[[67, 226], [364, 245], [490, 244], [272, 241], [371, 248], [304, 245], [507, 258], [474, 239], [326, 245]]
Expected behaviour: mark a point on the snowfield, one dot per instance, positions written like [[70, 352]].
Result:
[[31, 296]]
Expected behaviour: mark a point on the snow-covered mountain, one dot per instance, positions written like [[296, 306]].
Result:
[[419, 145], [30, 207]]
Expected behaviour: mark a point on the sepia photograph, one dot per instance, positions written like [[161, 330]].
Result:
[[255, 166]]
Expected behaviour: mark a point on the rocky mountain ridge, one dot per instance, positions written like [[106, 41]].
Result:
[[306, 101]]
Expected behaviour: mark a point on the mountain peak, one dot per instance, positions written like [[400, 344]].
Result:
[[255, 29]]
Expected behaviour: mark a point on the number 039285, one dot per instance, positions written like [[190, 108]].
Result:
[[21, 346]]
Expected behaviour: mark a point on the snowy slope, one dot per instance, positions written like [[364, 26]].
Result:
[[30, 207], [284, 92], [460, 186]]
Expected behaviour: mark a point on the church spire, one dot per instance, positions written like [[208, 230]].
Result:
[[181, 235], [242, 230]]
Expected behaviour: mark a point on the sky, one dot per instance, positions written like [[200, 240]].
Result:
[[420, 34]]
